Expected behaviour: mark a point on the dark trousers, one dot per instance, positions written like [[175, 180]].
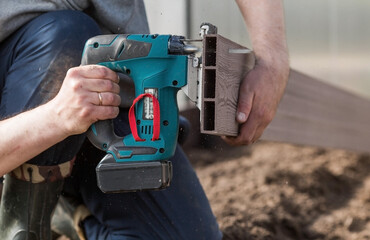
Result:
[[33, 64]]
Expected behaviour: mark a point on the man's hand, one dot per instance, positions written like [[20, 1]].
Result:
[[72, 111], [260, 94], [88, 94], [263, 87]]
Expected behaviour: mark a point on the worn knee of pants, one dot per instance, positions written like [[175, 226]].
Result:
[[33, 63]]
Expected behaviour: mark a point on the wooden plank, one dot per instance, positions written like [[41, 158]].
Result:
[[315, 113], [311, 112], [222, 72]]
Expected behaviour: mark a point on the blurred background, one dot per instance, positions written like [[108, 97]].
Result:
[[328, 40]]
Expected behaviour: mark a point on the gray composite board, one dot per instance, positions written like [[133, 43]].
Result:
[[312, 112], [223, 70]]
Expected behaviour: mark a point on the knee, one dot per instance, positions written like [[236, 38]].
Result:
[[67, 29], [73, 23]]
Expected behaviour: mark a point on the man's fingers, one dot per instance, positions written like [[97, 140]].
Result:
[[105, 99], [101, 85], [252, 129], [105, 112], [247, 132], [94, 71], [260, 129], [245, 104]]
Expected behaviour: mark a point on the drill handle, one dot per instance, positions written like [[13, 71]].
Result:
[[101, 134]]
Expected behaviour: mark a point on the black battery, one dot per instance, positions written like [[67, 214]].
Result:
[[115, 177]]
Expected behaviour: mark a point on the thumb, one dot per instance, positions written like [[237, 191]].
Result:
[[244, 106]]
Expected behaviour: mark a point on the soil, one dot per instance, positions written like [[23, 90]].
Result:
[[281, 191]]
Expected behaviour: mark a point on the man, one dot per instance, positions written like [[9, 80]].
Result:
[[40, 41]]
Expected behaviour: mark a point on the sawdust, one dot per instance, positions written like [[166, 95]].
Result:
[[281, 191]]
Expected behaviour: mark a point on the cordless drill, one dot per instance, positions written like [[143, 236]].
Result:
[[158, 65]]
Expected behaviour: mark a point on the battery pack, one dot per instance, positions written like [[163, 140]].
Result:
[[115, 177]]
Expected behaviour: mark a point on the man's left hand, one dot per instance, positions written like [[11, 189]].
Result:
[[259, 96]]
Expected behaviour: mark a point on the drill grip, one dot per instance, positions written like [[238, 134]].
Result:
[[101, 134]]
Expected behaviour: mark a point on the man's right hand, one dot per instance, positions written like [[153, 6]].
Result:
[[88, 94]]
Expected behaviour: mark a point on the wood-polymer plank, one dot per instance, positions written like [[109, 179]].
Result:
[[311, 112], [223, 69], [314, 113]]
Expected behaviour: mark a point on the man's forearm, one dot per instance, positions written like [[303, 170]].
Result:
[[26, 135], [265, 23]]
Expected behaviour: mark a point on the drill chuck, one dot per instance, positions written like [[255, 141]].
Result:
[[176, 46]]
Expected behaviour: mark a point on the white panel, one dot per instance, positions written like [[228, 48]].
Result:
[[166, 16], [224, 14], [330, 40]]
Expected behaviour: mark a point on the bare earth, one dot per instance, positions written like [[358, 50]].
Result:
[[281, 191]]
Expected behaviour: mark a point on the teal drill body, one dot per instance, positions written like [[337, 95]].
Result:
[[157, 71]]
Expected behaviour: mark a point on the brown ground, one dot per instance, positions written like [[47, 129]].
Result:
[[280, 191]]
